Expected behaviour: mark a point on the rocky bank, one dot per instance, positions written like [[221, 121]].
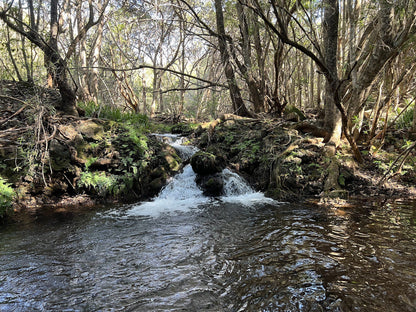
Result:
[[59, 163], [289, 164]]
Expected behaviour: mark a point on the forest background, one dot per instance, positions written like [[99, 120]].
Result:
[[347, 65]]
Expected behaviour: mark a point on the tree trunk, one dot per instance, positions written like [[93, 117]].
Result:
[[81, 59], [94, 60], [333, 121], [57, 67], [239, 107]]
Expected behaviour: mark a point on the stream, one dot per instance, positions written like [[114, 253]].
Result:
[[183, 251]]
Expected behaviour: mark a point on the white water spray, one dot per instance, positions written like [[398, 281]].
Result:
[[182, 193]]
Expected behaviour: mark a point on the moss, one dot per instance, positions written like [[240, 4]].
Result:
[[174, 165], [293, 110], [183, 128], [90, 130]]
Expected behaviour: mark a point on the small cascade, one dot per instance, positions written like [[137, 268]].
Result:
[[237, 190], [235, 185], [182, 192], [184, 151]]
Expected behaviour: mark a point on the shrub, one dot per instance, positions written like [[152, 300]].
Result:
[[6, 198], [406, 119]]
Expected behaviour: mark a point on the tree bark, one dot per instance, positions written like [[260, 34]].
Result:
[[333, 122], [239, 107]]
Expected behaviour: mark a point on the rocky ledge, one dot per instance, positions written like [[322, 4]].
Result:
[[278, 158]]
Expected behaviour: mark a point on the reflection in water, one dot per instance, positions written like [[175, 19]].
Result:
[[216, 257]]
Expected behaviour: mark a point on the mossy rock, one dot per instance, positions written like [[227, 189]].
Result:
[[204, 163], [293, 113], [212, 185], [60, 156], [156, 185], [182, 128], [90, 130]]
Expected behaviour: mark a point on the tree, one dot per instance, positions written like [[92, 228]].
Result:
[[236, 98], [56, 62], [382, 40]]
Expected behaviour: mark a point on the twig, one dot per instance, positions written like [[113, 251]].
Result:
[[14, 115], [12, 98], [406, 154]]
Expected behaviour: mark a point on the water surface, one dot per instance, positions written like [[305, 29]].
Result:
[[218, 256]]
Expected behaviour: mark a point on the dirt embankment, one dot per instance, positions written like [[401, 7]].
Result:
[[291, 165], [62, 163]]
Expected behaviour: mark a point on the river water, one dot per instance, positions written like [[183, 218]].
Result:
[[239, 252]]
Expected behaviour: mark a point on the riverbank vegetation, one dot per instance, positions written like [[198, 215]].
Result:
[[319, 96]]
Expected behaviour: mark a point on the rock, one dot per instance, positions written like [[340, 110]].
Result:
[[68, 131], [204, 163], [212, 185], [90, 130], [182, 128], [292, 113], [156, 185], [60, 156]]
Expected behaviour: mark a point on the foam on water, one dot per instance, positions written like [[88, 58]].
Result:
[[182, 193]]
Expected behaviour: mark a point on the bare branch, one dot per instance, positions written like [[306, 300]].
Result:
[[212, 84]]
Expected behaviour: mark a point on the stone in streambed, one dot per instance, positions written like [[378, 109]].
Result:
[[204, 163], [212, 185]]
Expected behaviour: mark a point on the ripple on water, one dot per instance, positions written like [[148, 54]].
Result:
[[217, 257]]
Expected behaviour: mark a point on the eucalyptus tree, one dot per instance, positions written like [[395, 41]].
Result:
[[390, 25], [56, 58], [18, 51]]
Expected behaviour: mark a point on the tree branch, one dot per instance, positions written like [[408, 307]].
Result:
[[213, 84]]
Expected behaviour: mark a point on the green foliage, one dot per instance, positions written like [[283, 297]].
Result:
[[99, 181], [6, 198], [341, 180], [406, 119], [115, 114], [249, 149], [89, 162]]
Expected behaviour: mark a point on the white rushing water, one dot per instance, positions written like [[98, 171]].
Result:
[[182, 193]]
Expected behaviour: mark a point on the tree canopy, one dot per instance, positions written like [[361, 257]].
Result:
[[351, 62]]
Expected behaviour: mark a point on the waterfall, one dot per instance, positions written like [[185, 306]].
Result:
[[237, 190], [181, 193], [184, 151]]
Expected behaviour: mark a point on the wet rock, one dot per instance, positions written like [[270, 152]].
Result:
[[156, 185], [159, 172], [204, 163], [212, 185]]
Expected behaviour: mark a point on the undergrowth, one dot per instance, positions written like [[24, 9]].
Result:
[[115, 114], [6, 198]]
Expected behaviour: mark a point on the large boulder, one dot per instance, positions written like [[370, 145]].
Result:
[[204, 163], [212, 185]]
